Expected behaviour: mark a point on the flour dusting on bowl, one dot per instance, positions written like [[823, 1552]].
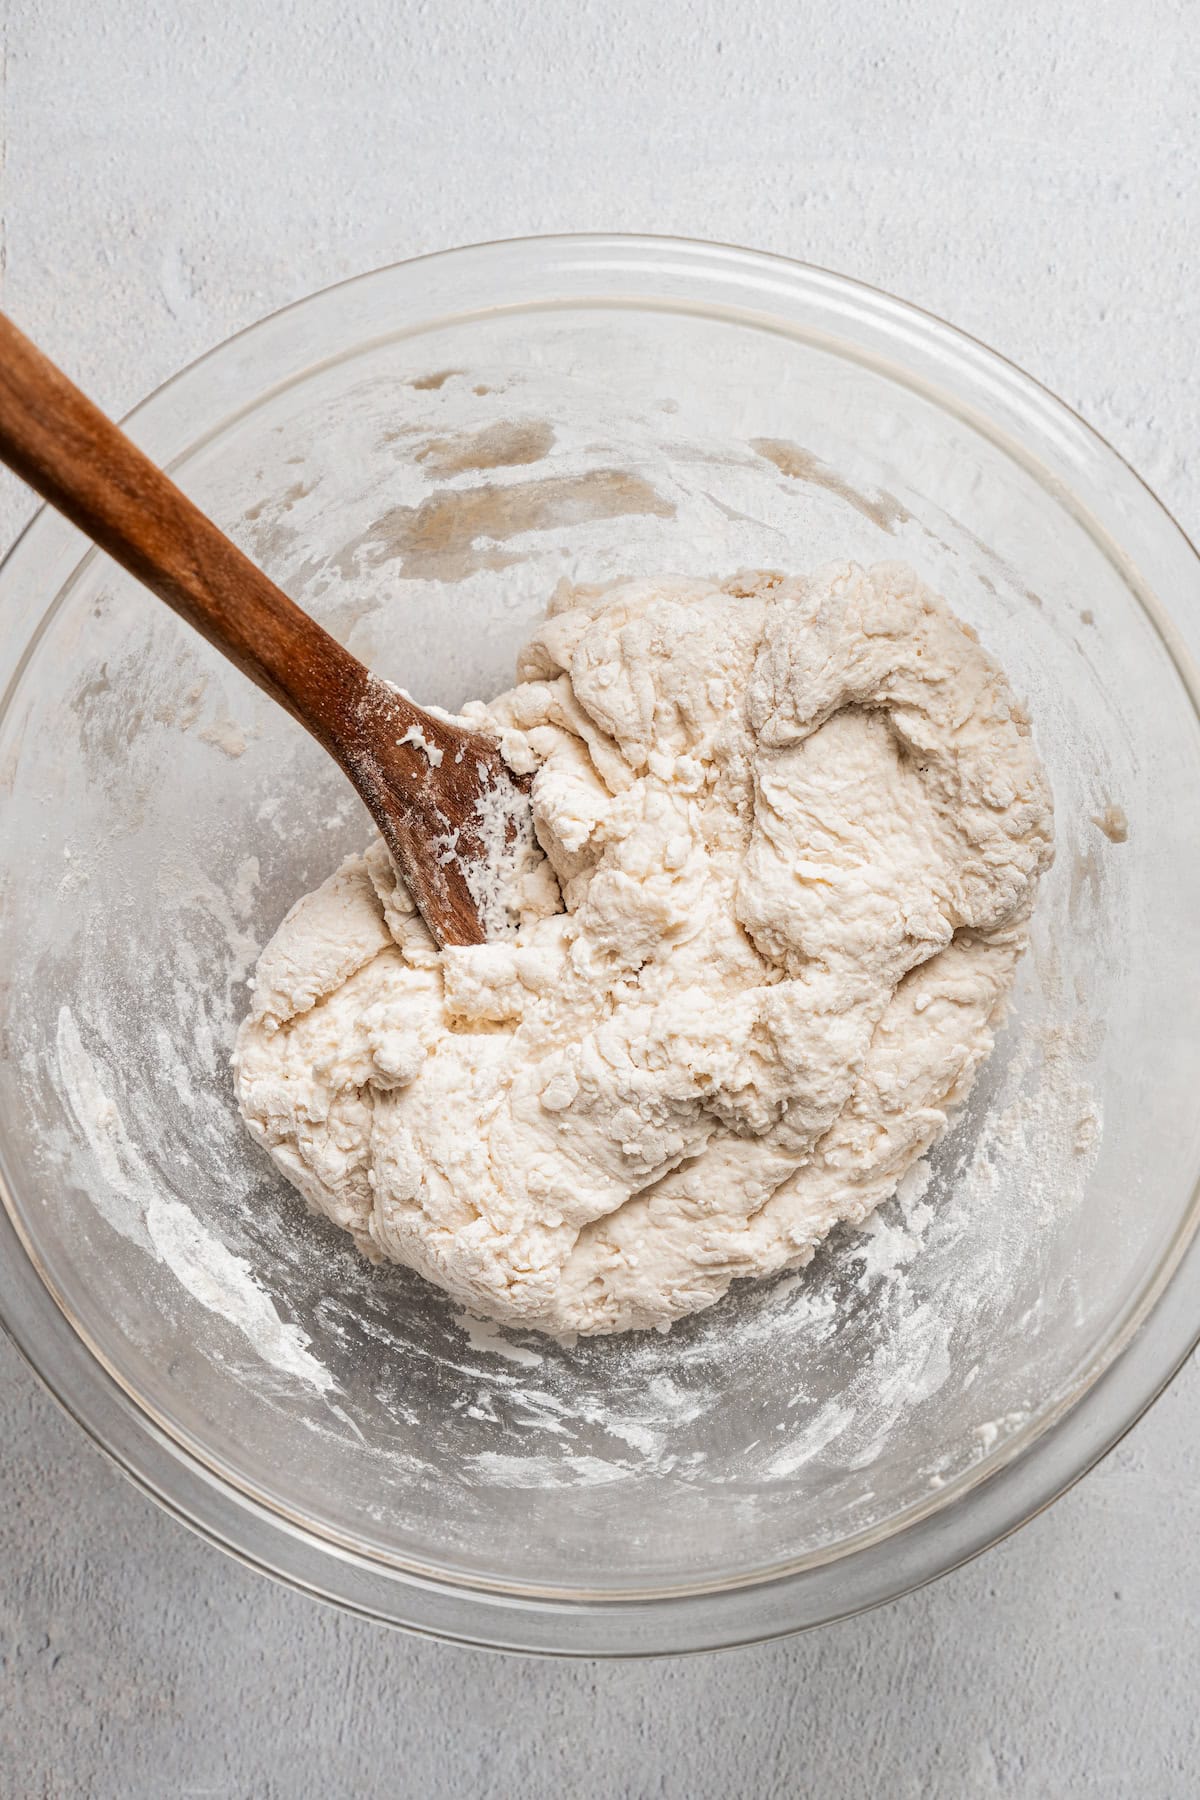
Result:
[[347, 1425]]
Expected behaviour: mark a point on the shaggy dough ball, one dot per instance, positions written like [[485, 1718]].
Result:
[[796, 828]]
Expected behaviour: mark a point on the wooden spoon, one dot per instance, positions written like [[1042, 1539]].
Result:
[[448, 806]]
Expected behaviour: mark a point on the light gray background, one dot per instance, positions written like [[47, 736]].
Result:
[[1029, 170]]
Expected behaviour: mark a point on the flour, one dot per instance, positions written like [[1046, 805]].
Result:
[[496, 879], [797, 829], [131, 1201], [124, 1177], [829, 1423], [225, 1284], [890, 1243], [547, 1472], [992, 1430]]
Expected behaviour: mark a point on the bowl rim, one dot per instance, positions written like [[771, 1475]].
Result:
[[1022, 1479]]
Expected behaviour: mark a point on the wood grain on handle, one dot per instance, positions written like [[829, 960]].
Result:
[[427, 782], [83, 464]]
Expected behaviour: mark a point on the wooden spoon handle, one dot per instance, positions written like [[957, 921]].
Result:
[[78, 460]]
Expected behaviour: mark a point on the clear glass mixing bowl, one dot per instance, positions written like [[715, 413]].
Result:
[[419, 456]]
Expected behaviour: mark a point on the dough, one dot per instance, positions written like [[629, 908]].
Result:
[[796, 827]]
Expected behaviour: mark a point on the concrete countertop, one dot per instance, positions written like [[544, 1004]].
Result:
[[170, 174]]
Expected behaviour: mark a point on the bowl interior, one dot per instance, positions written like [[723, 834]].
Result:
[[422, 490]]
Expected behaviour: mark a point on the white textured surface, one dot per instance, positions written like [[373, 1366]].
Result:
[[170, 174], [682, 1019]]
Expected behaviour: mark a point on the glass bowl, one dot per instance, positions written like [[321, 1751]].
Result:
[[419, 456]]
